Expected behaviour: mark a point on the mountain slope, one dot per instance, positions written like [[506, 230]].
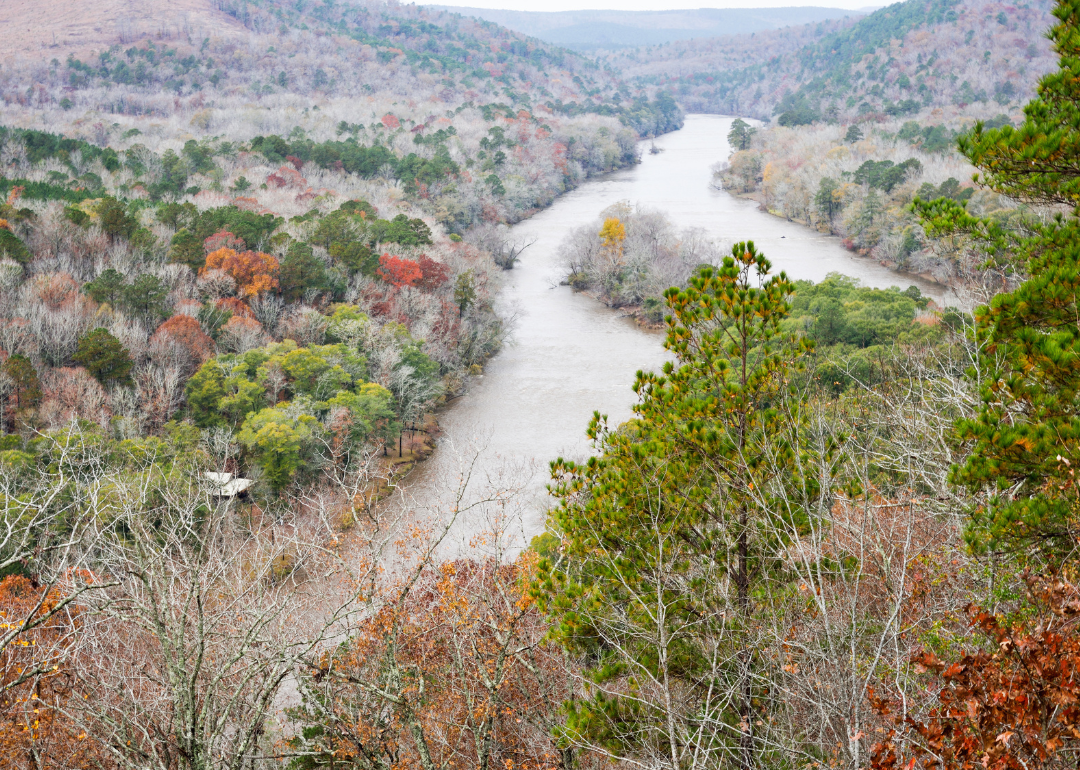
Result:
[[591, 30], [460, 118], [273, 47], [898, 60], [43, 28]]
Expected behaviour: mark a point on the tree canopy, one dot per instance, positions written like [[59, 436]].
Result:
[[670, 537]]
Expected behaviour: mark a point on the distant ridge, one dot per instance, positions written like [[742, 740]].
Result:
[[898, 61], [594, 30]]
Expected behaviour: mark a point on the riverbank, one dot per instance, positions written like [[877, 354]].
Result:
[[419, 446], [756, 196], [636, 313], [860, 186]]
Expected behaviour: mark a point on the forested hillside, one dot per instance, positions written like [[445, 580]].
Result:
[[859, 182], [592, 30], [897, 61], [324, 50], [300, 169], [245, 254]]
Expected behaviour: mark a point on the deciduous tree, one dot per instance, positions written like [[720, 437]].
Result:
[[398, 271], [449, 666], [183, 660], [182, 341], [1013, 704], [254, 272]]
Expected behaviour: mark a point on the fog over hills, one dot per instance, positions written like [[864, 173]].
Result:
[[592, 30]]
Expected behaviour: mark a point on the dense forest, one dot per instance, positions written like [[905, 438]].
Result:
[[961, 56], [240, 271], [212, 200], [859, 182]]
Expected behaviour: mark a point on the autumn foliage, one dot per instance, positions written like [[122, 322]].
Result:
[[57, 291], [286, 176], [1014, 705], [398, 271], [253, 271], [432, 274], [613, 233], [423, 273], [235, 306], [185, 332], [223, 240], [71, 392], [457, 673], [34, 733], [242, 332], [612, 236]]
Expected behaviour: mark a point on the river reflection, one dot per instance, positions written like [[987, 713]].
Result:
[[569, 355]]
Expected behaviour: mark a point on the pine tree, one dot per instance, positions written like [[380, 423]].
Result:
[[854, 134], [300, 270], [104, 357], [107, 287], [825, 200], [25, 384], [1025, 440], [671, 538], [147, 297], [740, 134], [115, 220], [1039, 160]]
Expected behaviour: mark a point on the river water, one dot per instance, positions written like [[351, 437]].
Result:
[[569, 355]]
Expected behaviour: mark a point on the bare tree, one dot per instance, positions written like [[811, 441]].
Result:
[[161, 391], [268, 309], [448, 664], [180, 663], [876, 569], [305, 325], [240, 335], [497, 240], [47, 530]]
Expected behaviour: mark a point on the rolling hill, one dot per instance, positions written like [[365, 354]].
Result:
[[896, 61], [134, 56], [593, 30]]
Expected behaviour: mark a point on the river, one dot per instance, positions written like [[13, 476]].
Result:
[[569, 355]]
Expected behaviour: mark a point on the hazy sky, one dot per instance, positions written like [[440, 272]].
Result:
[[644, 5]]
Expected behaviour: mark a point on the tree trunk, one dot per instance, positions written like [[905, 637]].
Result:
[[746, 737]]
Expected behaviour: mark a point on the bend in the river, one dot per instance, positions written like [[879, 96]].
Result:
[[570, 355]]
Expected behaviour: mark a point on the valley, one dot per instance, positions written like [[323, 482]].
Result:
[[392, 386]]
